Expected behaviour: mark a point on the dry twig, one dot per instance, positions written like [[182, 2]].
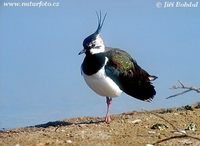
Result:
[[186, 89]]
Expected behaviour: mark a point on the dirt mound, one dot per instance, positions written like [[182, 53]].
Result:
[[178, 126]]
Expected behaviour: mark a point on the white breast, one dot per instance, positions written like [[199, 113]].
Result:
[[102, 84]]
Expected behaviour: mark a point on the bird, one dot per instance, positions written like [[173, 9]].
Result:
[[111, 71]]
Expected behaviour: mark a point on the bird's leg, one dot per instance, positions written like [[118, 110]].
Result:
[[108, 102]]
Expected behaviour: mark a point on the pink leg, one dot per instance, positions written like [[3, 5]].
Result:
[[108, 102]]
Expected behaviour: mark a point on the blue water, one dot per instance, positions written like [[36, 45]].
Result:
[[22, 112]]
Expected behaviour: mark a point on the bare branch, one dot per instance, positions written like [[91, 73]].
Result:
[[178, 94], [185, 88], [174, 137], [181, 83]]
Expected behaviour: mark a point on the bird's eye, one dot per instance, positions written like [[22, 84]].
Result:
[[91, 44]]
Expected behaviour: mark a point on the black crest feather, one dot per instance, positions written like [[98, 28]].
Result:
[[100, 21]]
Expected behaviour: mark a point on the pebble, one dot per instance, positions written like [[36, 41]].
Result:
[[69, 141], [180, 132], [176, 114], [136, 121], [151, 132], [149, 145]]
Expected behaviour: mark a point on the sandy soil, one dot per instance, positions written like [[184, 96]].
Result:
[[171, 127]]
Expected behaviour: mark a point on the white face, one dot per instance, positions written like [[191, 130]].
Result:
[[98, 45]]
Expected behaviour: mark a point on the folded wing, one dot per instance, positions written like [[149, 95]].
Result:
[[129, 76]]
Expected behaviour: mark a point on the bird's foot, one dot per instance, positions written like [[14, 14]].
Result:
[[108, 119]]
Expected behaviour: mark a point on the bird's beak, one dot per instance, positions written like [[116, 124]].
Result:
[[82, 51]]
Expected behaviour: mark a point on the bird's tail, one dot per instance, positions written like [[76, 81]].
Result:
[[143, 90]]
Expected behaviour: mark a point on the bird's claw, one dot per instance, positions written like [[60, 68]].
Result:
[[108, 119]]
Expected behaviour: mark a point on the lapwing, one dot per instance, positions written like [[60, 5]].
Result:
[[111, 71]]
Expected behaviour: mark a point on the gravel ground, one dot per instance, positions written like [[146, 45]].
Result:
[[171, 127]]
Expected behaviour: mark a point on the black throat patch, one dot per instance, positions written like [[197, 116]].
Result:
[[93, 63]]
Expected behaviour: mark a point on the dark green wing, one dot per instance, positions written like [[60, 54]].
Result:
[[129, 76]]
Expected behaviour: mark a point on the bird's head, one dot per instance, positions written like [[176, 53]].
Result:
[[94, 43]]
